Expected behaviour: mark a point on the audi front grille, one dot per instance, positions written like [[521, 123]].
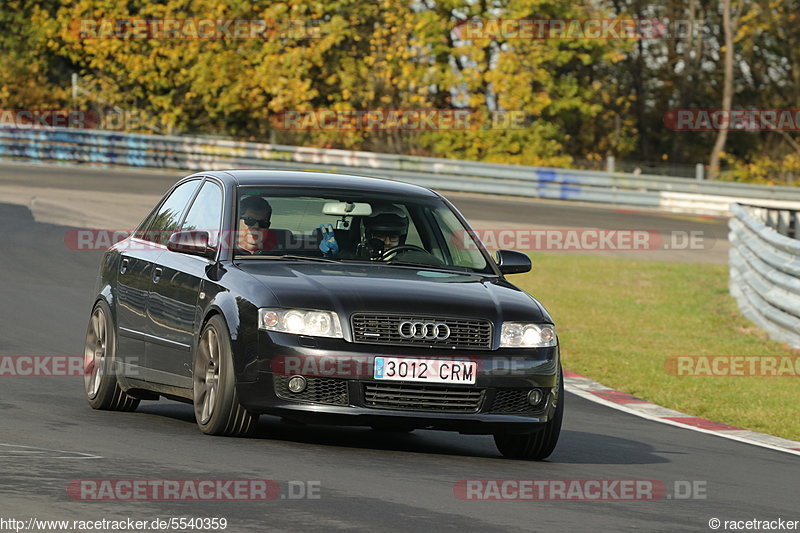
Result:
[[412, 397], [425, 331]]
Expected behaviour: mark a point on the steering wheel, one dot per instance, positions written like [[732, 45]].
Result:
[[395, 249]]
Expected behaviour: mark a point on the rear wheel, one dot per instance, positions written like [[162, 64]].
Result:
[[216, 404], [99, 380], [539, 445]]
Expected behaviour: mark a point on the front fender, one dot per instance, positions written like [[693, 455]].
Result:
[[241, 317]]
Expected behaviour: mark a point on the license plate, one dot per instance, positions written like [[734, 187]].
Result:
[[425, 370]]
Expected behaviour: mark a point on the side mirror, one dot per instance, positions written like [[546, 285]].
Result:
[[511, 262], [191, 242]]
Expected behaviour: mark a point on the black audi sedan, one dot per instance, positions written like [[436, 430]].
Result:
[[323, 298]]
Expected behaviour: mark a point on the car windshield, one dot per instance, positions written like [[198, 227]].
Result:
[[353, 226]]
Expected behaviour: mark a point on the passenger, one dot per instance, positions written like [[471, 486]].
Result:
[[254, 235]]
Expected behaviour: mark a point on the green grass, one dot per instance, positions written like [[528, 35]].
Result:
[[618, 320]]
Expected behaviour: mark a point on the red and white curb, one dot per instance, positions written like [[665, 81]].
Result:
[[628, 403]]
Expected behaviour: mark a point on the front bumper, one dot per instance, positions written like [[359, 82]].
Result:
[[343, 391]]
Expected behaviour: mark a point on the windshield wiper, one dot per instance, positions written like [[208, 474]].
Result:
[[290, 257], [430, 266], [308, 258]]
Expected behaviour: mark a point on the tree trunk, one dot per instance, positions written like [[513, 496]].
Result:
[[727, 91]]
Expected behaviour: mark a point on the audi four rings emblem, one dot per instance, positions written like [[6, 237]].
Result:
[[424, 330]]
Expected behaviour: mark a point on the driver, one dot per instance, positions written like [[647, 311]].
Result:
[[382, 231]]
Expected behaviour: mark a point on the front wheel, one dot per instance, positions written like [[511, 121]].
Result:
[[539, 445], [99, 380], [216, 404]]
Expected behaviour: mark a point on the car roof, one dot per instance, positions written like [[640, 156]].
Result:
[[299, 178]]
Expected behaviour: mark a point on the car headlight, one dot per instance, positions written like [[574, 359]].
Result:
[[300, 322], [527, 335]]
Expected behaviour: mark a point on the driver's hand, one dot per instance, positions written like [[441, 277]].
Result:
[[375, 247], [328, 244]]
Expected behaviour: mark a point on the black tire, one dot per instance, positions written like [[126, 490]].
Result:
[[216, 404], [539, 445], [99, 380]]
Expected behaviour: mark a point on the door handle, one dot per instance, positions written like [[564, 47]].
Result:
[[123, 268], [157, 275]]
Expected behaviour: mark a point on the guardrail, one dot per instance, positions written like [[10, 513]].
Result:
[[198, 153], [765, 271], [784, 221]]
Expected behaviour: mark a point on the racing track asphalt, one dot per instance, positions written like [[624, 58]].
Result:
[[370, 481]]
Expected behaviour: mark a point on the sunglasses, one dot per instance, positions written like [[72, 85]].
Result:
[[385, 235], [250, 221]]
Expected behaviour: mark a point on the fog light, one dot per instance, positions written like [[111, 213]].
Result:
[[297, 384], [534, 396]]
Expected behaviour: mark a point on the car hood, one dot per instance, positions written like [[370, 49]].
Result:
[[351, 288]]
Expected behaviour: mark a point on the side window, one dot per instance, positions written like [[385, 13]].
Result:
[[167, 220], [141, 231], [206, 211]]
